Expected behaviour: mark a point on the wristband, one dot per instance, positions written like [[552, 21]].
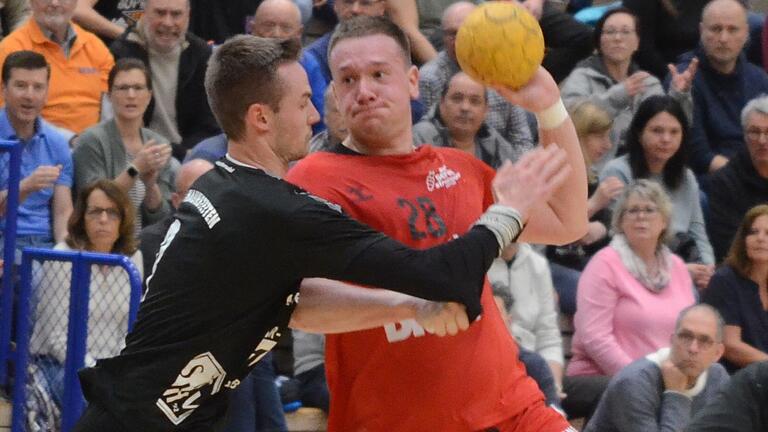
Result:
[[553, 116], [504, 222], [132, 171]]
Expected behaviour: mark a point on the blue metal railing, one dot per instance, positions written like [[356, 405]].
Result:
[[73, 403], [13, 148]]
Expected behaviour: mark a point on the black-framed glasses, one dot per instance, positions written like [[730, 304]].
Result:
[[686, 339]]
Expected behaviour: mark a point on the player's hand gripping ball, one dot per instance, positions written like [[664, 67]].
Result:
[[500, 43]]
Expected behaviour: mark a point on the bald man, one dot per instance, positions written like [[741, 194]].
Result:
[[723, 85], [151, 236], [280, 19]]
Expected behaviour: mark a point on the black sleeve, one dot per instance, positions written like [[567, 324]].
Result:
[[325, 243], [739, 406], [721, 295]]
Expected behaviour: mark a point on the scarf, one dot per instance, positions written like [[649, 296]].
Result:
[[655, 282]]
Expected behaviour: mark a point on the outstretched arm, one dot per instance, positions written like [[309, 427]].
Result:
[[328, 306], [562, 218]]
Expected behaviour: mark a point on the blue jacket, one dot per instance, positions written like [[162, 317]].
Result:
[[717, 103]]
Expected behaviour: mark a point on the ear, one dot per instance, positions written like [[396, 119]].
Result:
[[259, 117], [720, 350], [413, 82]]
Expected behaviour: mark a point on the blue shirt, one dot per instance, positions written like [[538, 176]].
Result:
[[210, 149], [46, 147]]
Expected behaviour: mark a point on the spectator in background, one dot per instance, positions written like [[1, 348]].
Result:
[[672, 27], [458, 121], [309, 369], [217, 20], [137, 158], [151, 236], [177, 61], [668, 28], [521, 277], [102, 222], [509, 120], [633, 283], [740, 406], [723, 85], [79, 63], [593, 126], [108, 18], [566, 39], [612, 79], [279, 19], [743, 182], [409, 15], [657, 146], [13, 13], [739, 290], [45, 195], [535, 365], [663, 390], [336, 130]]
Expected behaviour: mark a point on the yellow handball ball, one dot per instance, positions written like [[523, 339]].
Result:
[[500, 42]]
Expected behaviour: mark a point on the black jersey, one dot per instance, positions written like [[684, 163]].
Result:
[[227, 278], [121, 12]]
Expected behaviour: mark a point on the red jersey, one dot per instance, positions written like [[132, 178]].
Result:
[[397, 377]]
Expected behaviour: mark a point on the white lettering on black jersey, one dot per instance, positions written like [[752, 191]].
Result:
[[180, 400], [204, 206]]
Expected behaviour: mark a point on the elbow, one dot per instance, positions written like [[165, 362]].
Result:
[[572, 230]]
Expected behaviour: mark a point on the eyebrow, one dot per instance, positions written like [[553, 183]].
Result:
[[373, 63]]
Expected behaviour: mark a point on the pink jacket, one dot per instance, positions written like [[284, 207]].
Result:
[[618, 320]]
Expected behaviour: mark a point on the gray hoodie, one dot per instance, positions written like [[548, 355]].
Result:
[[590, 81]]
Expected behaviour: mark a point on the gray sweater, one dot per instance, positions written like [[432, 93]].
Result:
[[635, 400], [590, 81], [687, 216], [100, 153]]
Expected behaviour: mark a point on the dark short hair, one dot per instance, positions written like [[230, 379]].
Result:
[[243, 72], [598, 32], [674, 170], [126, 243], [362, 26], [737, 255], [128, 64], [24, 59], [444, 91]]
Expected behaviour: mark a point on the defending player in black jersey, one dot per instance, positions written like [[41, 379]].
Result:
[[230, 273]]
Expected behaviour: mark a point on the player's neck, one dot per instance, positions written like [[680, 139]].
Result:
[[398, 146], [256, 157]]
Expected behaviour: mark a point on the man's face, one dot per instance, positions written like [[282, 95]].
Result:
[[166, 23], [463, 107], [724, 32], [695, 345], [346, 9], [373, 88], [756, 136], [25, 93], [280, 20], [295, 116], [53, 14]]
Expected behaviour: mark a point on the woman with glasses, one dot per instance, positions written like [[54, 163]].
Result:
[[138, 159], [612, 79], [101, 222], [629, 296], [657, 146], [739, 291]]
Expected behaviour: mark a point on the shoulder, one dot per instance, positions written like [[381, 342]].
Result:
[[433, 69], [17, 38], [315, 167], [197, 45], [618, 166], [717, 375], [54, 137], [319, 45], [459, 156], [639, 373]]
